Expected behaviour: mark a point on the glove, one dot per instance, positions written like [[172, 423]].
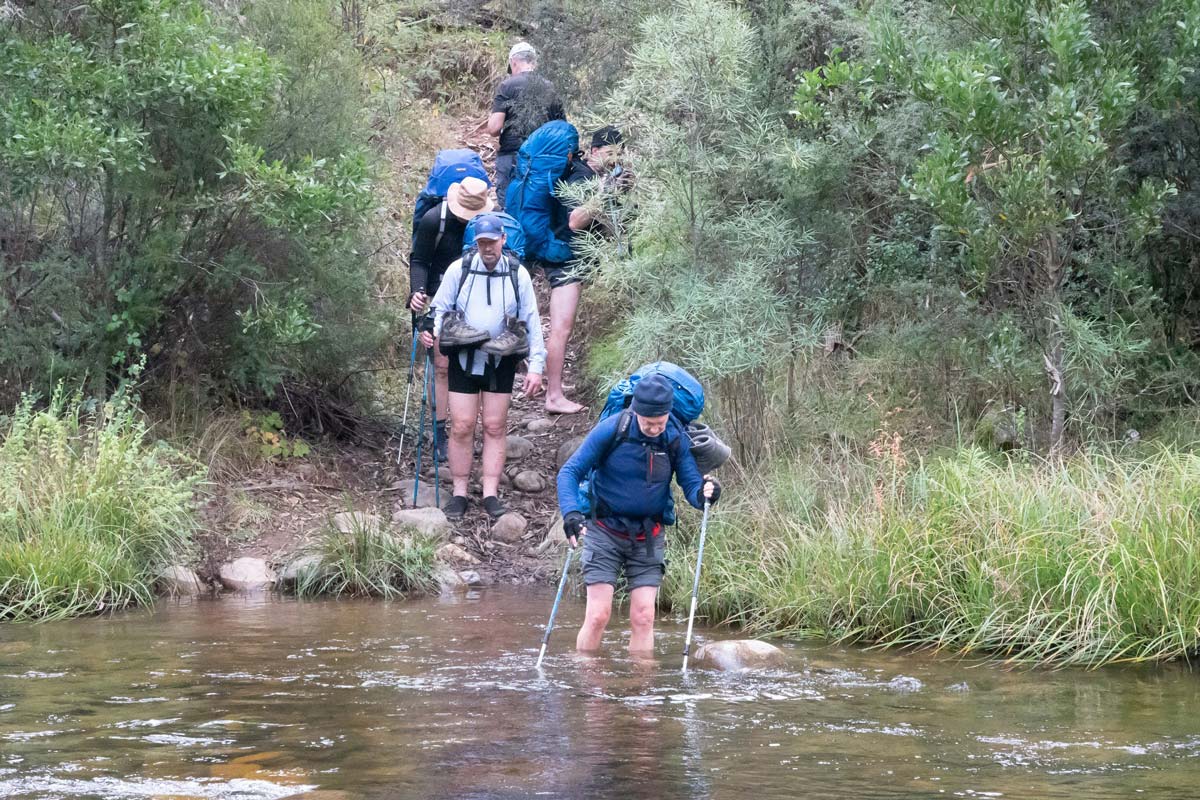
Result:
[[573, 524], [716, 492]]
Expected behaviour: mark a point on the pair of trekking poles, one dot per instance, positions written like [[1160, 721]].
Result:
[[687, 644], [419, 324]]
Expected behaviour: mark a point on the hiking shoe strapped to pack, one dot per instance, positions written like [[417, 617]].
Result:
[[440, 444], [512, 341], [457, 334]]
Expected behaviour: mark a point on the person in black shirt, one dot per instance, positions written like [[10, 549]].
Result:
[[524, 102], [438, 244], [570, 221]]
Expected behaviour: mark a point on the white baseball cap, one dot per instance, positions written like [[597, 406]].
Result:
[[522, 48]]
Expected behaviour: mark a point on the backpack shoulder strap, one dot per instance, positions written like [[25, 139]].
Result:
[[441, 226], [624, 423]]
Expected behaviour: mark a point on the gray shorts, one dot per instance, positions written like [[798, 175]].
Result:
[[604, 555]]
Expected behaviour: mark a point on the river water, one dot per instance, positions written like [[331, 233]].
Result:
[[268, 697]]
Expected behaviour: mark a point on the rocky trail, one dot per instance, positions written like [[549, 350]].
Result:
[[260, 524]]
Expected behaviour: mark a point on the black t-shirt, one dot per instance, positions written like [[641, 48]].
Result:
[[528, 101], [428, 262]]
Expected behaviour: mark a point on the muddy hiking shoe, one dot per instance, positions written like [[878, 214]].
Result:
[[456, 333], [456, 507], [494, 507], [512, 341]]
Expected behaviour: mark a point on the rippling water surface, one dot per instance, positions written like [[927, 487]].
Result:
[[271, 698]]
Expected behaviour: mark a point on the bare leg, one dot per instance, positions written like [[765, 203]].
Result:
[[641, 619], [441, 380], [495, 429], [599, 609], [464, 409], [563, 302]]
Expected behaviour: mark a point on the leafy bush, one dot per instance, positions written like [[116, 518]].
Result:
[[90, 508]]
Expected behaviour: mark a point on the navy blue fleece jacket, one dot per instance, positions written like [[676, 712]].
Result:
[[635, 481]]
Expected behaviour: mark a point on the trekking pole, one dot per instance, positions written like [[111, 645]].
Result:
[[437, 471], [420, 436], [412, 363], [687, 644], [554, 609]]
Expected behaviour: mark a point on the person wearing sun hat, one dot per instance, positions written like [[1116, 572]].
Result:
[[524, 102], [438, 244]]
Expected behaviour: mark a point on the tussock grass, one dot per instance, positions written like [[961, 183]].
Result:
[[370, 560], [90, 509], [1088, 561]]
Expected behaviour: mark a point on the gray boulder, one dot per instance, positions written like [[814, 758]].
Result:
[[426, 520], [355, 521], [735, 655], [292, 571], [425, 494], [451, 553], [529, 481], [247, 575], [518, 448], [567, 449], [510, 527], [539, 425], [448, 578], [180, 581]]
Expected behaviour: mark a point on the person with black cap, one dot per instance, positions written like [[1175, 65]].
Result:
[[486, 319], [524, 102], [569, 222], [634, 455]]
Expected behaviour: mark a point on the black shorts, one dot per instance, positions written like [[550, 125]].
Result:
[[496, 379], [558, 274]]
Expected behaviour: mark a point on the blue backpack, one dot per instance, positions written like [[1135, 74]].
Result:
[[688, 405], [542, 162], [514, 235], [449, 166]]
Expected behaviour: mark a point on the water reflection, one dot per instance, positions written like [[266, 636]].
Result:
[[269, 698]]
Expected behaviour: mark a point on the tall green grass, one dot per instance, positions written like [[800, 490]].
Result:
[[1089, 561], [90, 508], [370, 560]]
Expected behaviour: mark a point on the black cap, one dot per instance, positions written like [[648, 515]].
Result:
[[608, 135], [653, 396]]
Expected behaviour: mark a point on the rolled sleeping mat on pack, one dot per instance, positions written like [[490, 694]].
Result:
[[707, 448]]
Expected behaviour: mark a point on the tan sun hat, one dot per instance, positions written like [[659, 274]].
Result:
[[468, 198]]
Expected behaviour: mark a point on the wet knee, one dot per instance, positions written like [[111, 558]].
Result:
[[641, 617], [598, 617]]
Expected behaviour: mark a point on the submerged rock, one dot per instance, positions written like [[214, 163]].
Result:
[[247, 575], [735, 655], [180, 581], [903, 683]]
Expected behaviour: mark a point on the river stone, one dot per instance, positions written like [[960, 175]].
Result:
[[905, 684], [426, 520], [448, 579], [297, 566], [355, 521], [518, 447], [425, 493], [453, 554], [539, 425], [735, 655], [509, 528], [247, 575], [530, 481], [180, 581], [470, 577], [567, 449]]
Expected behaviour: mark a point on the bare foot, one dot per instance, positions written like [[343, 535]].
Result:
[[561, 405]]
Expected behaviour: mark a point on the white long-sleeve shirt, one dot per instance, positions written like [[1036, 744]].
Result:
[[470, 294]]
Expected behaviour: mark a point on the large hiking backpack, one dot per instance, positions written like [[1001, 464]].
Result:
[[514, 235], [449, 166], [688, 405], [542, 162]]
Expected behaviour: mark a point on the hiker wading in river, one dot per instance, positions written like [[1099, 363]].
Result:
[[486, 320], [634, 454]]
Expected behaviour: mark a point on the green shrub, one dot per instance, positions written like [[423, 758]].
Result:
[[90, 509], [1083, 562], [370, 560]]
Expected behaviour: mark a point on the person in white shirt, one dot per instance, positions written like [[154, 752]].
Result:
[[486, 319]]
